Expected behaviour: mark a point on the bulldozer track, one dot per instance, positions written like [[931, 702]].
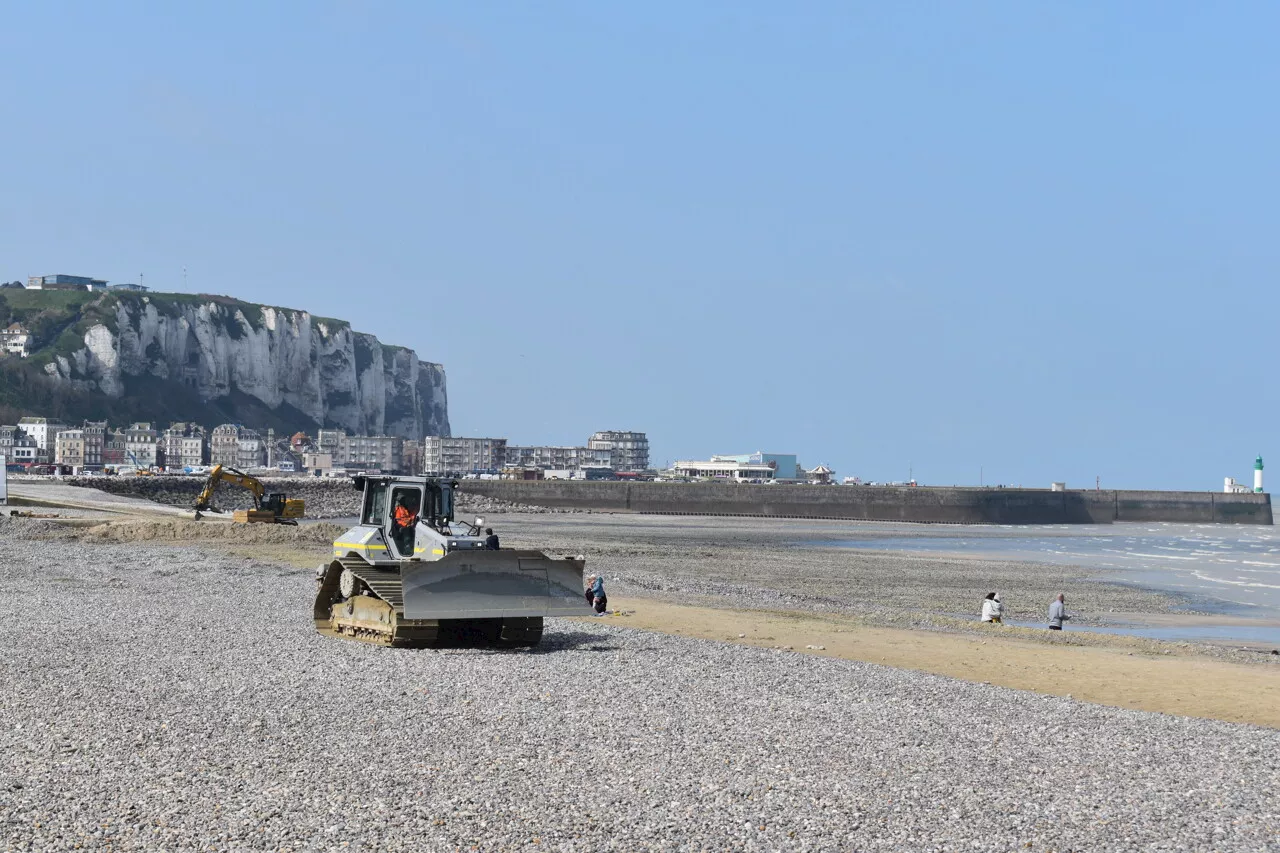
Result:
[[378, 616]]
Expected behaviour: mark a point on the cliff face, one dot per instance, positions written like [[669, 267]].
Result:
[[220, 348]]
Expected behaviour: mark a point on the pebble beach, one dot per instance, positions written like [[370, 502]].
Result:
[[177, 698]]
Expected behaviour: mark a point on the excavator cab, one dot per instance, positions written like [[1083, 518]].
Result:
[[279, 505]]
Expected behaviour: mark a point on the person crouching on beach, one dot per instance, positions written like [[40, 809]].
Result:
[[1058, 613], [992, 609], [590, 593], [598, 598]]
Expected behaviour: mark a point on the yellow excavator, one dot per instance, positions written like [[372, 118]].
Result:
[[268, 508]]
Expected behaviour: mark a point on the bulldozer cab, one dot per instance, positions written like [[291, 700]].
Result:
[[430, 500]]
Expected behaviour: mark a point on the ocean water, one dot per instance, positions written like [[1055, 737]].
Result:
[[1231, 569]]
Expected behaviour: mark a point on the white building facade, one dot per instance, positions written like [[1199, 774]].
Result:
[[628, 451], [446, 455], [723, 469]]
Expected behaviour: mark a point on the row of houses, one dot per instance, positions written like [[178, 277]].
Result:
[[94, 444]]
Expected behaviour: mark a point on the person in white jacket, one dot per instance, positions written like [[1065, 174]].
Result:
[[992, 609]]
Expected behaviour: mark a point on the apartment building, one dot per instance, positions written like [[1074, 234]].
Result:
[[140, 445], [443, 456], [411, 457], [184, 445], [229, 444], [95, 439], [43, 430], [17, 447], [330, 441], [628, 451], [371, 452], [69, 447], [114, 448], [549, 457], [251, 451]]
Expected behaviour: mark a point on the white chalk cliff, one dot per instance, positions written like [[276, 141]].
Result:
[[336, 377]]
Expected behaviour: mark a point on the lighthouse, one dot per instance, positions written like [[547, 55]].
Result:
[[1257, 474]]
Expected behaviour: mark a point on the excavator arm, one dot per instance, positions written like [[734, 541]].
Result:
[[220, 474]]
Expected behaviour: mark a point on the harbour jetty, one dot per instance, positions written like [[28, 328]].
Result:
[[939, 505]]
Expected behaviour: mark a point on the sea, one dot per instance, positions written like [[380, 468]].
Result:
[[1229, 570]]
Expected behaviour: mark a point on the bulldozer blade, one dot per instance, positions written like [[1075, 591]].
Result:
[[490, 584]]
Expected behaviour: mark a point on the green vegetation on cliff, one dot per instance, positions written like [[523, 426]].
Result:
[[58, 321]]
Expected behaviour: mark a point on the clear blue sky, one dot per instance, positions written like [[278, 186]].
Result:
[[1040, 239]]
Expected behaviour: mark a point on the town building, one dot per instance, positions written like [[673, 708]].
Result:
[[316, 461], [95, 439], [43, 430], [136, 288], [371, 453], [69, 448], [442, 455], [411, 457], [723, 470], [330, 441], [140, 445], [362, 452], [785, 465], [114, 449], [549, 457], [15, 340], [183, 445], [9, 432], [17, 447], [224, 445], [65, 282], [629, 451], [251, 450]]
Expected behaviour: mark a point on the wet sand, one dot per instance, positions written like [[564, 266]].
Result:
[[1108, 670]]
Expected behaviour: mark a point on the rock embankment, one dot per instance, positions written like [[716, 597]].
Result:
[[328, 498]]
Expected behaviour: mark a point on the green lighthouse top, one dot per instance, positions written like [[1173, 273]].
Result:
[[1257, 466]]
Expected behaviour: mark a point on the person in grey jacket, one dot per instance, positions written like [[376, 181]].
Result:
[[1058, 613]]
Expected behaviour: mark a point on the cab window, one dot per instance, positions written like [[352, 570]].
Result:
[[375, 504], [412, 499]]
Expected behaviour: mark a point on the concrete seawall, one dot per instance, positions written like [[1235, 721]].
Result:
[[886, 503]]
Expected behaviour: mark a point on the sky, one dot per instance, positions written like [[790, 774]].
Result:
[[1005, 242]]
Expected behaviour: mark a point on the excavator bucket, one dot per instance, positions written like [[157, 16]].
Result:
[[493, 584]]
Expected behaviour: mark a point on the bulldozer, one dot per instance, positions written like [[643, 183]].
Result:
[[268, 508], [409, 574]]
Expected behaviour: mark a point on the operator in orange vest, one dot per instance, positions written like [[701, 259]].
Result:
[[402, 530]]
